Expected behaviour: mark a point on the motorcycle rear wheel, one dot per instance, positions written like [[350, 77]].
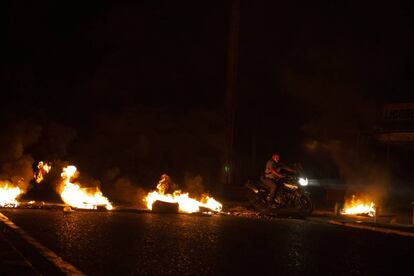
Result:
[[260, 204], [304, 204]]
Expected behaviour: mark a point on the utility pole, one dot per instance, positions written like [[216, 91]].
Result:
[[232, 63]]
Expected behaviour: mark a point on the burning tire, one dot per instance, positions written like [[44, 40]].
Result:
[[165, 207]]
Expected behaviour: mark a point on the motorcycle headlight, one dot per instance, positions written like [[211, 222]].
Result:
[[303, 181]]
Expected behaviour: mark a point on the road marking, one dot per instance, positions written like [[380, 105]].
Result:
[[65, 267], [366, 227], [25, 261]]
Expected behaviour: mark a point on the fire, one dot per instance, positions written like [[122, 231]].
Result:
[[9, 195], [76, 196], [185, 202], [43, 169], [359, 207]]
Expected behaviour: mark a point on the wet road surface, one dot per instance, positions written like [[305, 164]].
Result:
[[114, 243]]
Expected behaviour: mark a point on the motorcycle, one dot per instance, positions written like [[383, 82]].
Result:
[[290, 196]]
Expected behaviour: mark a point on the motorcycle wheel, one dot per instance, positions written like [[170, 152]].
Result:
[[260, 204], [304, 204], [255, 199]]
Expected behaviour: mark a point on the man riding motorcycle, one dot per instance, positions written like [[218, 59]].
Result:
[[273, 174]]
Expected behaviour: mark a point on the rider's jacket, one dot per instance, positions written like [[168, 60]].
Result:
[[268, 172]]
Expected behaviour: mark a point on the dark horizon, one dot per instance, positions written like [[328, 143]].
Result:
[[140, 88]]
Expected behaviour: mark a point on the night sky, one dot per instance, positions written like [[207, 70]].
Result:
[[134, 89]]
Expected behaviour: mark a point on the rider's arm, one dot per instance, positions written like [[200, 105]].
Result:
[[289, 169], [275, 172]]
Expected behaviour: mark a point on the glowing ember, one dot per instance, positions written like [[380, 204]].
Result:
[[76, 196], [359, 207], [186, 203], [9, 195], [43, 169]]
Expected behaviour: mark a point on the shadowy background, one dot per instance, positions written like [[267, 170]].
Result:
[[129, 90]]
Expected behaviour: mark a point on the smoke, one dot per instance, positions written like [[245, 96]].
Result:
[[152, 141], [22, 143], [194, 184], [53, 180], [15, 163], [55, 142], [122, 190], [340, 101], [363, 173]]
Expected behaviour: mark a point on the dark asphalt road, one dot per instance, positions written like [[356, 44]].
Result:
[[105, 243]]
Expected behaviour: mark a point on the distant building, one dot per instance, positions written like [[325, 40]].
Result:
[[397, 124], [395, 135]]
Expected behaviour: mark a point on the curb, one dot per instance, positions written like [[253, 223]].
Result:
[[58, 263], [362, 226]]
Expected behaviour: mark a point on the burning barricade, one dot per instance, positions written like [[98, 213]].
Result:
[[10, 191], [17, 184], [43, 168], [359, 206], [80, 197], [9, 194], [169, 199]]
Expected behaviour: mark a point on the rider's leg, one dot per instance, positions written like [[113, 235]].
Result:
[[272, 191], [271, 187]]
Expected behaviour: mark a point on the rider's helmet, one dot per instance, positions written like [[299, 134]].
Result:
[[276, 157]]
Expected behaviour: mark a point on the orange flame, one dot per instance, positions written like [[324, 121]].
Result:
[[76, 196], [185, 202], [43, 169], [359, 207], [9, 194]]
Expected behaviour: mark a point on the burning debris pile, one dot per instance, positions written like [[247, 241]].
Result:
[[9, 194], [76, 196], [185, 202], [43, 168], [16, 171], [358, 206]]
